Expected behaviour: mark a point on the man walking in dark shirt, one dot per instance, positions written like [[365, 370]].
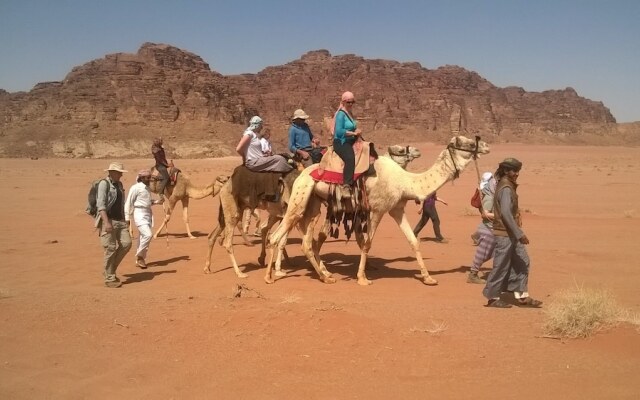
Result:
[[161, 165], [510, 259]]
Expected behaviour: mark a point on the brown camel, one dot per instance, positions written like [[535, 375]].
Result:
[[231, 210], [182, 191], [387, 192]]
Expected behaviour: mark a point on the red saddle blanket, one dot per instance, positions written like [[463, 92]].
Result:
[[331, 167]]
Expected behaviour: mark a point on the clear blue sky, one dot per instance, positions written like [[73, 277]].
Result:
[[592, 46]]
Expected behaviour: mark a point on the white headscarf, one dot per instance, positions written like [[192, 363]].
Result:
[[487, 177], [254, 123]]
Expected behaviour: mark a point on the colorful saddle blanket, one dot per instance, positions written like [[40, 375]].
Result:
[[331, 167]]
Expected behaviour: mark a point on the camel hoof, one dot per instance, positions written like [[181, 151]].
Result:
[[364, 282], [242, 275], [261, 261], [281, 273], [268, 280], [207, 270], [328, 279], [193, 237], [430, 281]]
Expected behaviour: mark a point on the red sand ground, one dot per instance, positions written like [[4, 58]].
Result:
[[172, 332]]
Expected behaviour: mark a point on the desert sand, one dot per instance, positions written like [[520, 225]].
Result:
[[172, 332]]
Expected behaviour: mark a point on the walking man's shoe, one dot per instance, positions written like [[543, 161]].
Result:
[[474, 278], [113, 284], [140, 263]]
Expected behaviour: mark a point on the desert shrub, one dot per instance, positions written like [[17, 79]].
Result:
[[580, 312]]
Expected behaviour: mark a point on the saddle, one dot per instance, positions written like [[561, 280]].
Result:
[[255, 186], [331, 166], [349, 208], [173, 174]]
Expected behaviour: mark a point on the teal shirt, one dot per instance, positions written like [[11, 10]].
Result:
[[344, 124]]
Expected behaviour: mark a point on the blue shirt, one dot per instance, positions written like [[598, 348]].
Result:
[[343, 124], [300, 137]]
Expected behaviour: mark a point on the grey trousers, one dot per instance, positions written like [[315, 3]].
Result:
[[510, 268], [116, 245]]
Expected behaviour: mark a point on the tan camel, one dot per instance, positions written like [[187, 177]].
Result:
[[182, 191], [387, 192], [231, 211]]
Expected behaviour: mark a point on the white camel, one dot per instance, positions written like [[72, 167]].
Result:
[[387, 192], [401, 155]]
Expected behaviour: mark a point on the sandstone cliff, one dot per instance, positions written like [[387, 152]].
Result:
[[112, 107]]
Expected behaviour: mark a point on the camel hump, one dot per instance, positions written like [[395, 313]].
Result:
[[255, 186]]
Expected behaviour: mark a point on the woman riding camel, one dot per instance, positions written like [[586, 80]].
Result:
[[250, 148], [345, 134]]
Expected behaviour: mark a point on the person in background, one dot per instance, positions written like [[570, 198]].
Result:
[[111, 223], [265, 143], [250, 148], [138, 206], [510, 259], [301, 140], [345, 134], [428, 211], [161, 165], [486, 240]]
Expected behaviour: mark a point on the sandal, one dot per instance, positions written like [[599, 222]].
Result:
[[497, 303], [528, 302]]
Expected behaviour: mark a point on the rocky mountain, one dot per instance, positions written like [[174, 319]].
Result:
[[114, 106]]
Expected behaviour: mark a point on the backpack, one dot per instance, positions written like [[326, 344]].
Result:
[[476, 199], [92, 207]]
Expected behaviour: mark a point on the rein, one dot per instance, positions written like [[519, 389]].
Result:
[[451, 147]]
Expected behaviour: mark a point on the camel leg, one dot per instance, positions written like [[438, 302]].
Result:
[[271, 221], [308, 225], [228, 244], [400, 217], [365, 246], [323, 234], [245, 238], [277, 242], [167, 215], [212, 242], [301, 192], [185, 216]]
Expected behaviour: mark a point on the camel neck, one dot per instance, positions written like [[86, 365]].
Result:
[[442, 171]]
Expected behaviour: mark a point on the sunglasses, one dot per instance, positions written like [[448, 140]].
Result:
[[350, 102]]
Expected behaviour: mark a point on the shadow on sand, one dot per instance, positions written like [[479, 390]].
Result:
[[144, 276]]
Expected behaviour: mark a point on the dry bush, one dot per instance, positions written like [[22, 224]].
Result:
[[291, 298], [580, 312]]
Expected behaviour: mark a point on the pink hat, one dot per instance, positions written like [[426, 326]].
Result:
[[347, 96], [144, 172]]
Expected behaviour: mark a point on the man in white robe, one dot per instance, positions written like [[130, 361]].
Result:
[[138, 205]]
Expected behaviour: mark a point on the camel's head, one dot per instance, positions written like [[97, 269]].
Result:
[[403, 155], [468, 147]]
